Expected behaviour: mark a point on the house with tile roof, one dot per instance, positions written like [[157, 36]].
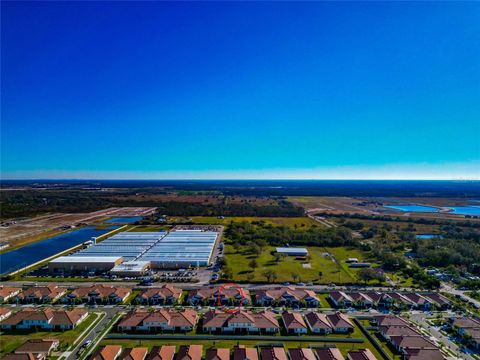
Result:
[[294, 322], [211, 295], [40, 294], [242, 321], [218, 354], [98, 294], [287, 296], [7, 293], [5, 313], [158, 320], [362, 354], [42, 347], [340, 299], [242, 352], [328, 353], [423, 354], [190, 352], [165, 295], [165, 352], [340, 322], [301, 354], [47, 319], [139, 353], [318, 323], [273, 353], [107, 352]]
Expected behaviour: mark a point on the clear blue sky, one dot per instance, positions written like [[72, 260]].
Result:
[[242, 90]]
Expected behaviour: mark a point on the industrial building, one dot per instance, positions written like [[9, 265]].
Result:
[[291, 251], [79, 264], [132, 253], [182, 249]]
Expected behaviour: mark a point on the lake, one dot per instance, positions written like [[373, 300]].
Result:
[[465, 210], [16, 259], [124, 220], [413, 208], [427, 236]]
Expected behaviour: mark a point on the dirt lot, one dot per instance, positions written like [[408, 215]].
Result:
[[31, 229]]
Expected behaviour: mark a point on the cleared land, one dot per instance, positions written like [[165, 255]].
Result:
[[320, 260]]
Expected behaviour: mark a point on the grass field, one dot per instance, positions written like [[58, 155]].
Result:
[[213, 220], [10, 340], [242, 272]]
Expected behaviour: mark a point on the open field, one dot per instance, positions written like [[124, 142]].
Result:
[[373, 205], [240, 260], [276, 221], [10, 340], [29, 230]]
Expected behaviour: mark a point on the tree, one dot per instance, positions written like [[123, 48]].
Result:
[[253, 264], [270, 275], [227, 273], [295, 276], [366, 274], [278, 257], [320, 274]]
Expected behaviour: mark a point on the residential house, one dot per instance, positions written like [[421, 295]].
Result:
[[328, 353], [14, 356], [361, 300], [240, 322], [6, 293], [403, 330], [242, 352], [190, 352], [287, 296], [40, 294], [46, 319], [134, 353], [401, 342], [159, 320], [423, 354], [214, 295], [318, 323], [107, 352], [301, 354], [38, 347], [294, 323], [362, 354], [419, 302], [165, 352], [340, 322], [5, 313], [98, 294], [440, 301], [165, 295], [389, 320], [340, 299], [218, 354], [273, 353]]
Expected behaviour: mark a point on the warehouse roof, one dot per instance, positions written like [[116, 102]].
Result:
[[291, 250], [84, 259]]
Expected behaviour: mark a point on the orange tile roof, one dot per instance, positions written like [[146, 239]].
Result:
[[165, 352], [293, 320], [190, 352], [218, 354], [134, 354], [107, 352]]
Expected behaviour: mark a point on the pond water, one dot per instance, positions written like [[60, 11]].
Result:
[[427, 236], [413, 208], [465, 210], [124, 219], [16, 259]]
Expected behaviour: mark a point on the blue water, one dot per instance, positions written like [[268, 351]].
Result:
[[427, 236], [124, 220], [413, 208], [465, 210], [16, 259]]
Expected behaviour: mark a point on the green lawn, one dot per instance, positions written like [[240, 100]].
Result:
[[10, 340], [331, 272]]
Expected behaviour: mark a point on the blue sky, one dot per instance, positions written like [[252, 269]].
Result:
[[240, 90]]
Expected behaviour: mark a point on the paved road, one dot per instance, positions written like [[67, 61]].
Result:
[[451, 290], [110, 312]]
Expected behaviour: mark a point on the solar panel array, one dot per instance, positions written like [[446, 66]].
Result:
[[181, 248], [129, 245]]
